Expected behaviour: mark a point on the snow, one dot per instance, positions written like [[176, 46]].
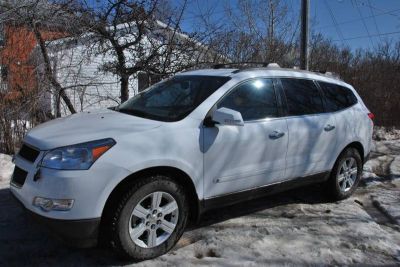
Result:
[[385, 133], [384, 200], [6, 168], [293, 234], [299, 227]]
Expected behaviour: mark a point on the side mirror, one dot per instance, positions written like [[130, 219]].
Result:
[[227, 116]]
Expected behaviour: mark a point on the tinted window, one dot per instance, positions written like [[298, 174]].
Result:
[[173, 99], [254, 99], [302, 97], [337, 97]]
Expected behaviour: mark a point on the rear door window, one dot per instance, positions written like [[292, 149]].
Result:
[[337, 97], [302, 97]]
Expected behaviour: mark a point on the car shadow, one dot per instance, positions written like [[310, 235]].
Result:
[[23, 242], [311, 194]]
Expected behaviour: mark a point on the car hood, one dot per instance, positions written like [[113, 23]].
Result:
[[85, 127]]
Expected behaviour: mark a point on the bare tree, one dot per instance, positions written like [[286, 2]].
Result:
[[132, 32], [257, 30], [25, 24], [40, 16]]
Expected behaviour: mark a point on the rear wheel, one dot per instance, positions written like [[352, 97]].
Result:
[[150, 218], [346, 174]]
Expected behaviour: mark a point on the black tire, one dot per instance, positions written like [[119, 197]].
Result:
[[333, 186], [120, 218]]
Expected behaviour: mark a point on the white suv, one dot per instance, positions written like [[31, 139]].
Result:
[[137, 174]]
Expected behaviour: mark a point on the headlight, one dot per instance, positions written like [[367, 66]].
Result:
[[76, 157]]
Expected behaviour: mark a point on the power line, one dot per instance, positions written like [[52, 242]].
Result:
[[382, 12], [374, 19], [366, 36], [355, 20], [355, 3], [339, 32], [377, 8]]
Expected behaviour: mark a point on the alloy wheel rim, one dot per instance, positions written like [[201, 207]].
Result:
[[347, 174], [153, 219]]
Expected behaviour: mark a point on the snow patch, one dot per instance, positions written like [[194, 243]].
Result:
[[387, 201], [6, 169], [385, 133], [384, 162], [395, 167], [341, 233]]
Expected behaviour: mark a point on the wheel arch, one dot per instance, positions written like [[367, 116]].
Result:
[[358, 146], [174, 173]]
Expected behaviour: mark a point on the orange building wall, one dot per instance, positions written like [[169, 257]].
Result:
[[16, 56]]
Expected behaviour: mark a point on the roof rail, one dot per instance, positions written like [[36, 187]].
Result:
[[328, 73], [242, 64]]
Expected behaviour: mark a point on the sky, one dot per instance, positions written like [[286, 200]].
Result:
[[353, 23]]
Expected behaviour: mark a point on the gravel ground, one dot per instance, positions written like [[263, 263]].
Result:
[[299, 227]]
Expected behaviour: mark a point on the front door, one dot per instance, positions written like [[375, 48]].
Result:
[[238, 158]]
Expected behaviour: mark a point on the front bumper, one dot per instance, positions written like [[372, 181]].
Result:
[[89, 189], [77, 233]]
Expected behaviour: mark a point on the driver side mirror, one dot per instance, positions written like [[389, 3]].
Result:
[[227, 116]]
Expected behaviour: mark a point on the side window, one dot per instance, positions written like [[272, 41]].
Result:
[[337, 97], [302, 96], [254, 99]]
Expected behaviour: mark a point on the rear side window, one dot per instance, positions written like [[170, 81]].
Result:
[[337, 97], [302, 97], [254, 99]]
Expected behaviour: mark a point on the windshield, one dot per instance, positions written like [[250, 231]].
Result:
[[173, 99]]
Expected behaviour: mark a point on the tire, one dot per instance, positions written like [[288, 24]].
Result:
[[125, 220], [341, 183]]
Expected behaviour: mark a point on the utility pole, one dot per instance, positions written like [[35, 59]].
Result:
[[305, 6]]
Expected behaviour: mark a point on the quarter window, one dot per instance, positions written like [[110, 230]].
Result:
[[302, 97], [337, 97], [254, 99]]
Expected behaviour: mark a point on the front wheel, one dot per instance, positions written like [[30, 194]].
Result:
[[150, 218], [345, 175]]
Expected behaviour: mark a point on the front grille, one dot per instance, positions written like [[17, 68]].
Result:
[[18, 177], [28, 153]]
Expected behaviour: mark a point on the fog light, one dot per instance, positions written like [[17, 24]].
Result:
[[48, 204]]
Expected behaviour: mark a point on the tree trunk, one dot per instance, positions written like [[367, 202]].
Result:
[[58, 105], [124, 88], [49, 72]]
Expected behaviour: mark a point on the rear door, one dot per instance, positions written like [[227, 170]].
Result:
[[312, 131], [238, 158], [340, 101]]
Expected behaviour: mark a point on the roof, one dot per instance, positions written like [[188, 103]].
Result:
[[86, 37], [268, 71], [209, 72]]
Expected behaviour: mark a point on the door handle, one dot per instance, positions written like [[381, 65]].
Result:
[[276, 134], [329, 127]]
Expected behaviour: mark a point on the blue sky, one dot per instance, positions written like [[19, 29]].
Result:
[[358, 22]]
